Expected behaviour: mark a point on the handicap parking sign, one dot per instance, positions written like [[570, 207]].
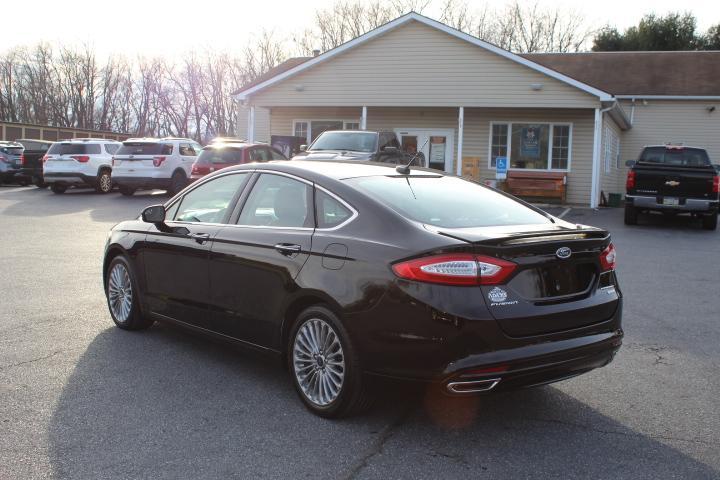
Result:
[[501, 168]]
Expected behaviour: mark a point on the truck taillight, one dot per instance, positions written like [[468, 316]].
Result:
[[716, 184], [455, 269], [157, 161], [630, 182], [80, 158], [22, 159], [607, 258]]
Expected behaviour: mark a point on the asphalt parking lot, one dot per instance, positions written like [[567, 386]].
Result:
[[80, 398]]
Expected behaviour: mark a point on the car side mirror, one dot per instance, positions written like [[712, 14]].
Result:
[[630, 163], [303, 148], [154, 214]]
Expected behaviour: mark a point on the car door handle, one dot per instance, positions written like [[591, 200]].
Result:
[[288, 248], [200, 237]]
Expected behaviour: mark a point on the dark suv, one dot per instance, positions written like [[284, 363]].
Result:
[[359, 145]]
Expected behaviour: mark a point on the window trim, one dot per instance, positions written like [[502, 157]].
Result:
[[309, 121], [550, 144]]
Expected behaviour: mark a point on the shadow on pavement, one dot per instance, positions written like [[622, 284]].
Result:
[[167, 404]]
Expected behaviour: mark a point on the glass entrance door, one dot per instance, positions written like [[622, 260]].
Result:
[[435, 146]]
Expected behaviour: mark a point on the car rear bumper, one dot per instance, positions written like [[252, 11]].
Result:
[[142, 182], [69, 178], [684, 204]]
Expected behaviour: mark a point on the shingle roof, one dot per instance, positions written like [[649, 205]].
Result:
[[276, 70], [686, 73]]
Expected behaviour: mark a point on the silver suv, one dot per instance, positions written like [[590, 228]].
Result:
[[164, 163]]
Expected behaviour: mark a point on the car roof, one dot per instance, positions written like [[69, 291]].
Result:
[[337, 170], [87, 140], [34, 140], [235, 144], [157, 140], [352, 131], [671, 146]]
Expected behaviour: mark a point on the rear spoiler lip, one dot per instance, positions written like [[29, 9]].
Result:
[[591, 233]]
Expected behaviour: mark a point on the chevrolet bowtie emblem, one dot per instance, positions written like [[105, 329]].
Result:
[[672, 183]]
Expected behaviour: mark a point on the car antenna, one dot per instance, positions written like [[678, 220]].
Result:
[[405, 169]]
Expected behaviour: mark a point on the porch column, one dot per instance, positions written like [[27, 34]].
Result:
[[363, 119], [596, 159], [461, 125], [251, 124]]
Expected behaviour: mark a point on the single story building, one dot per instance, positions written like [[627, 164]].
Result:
[[464, 102]]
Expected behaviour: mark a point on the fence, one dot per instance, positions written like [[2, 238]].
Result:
[[14, 131]]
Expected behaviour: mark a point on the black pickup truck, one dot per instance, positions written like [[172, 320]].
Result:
[[34, 152], [359, 145], [673, 179]]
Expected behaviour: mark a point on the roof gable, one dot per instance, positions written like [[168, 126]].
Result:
[[298, 65]]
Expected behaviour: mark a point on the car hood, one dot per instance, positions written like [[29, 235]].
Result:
[[332, 155]]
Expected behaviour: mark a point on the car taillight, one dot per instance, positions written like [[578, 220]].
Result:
[[45, 158], [630, 183], [157, 161], [455, 269], [607, 258], [112, 161], [80, 158], [716, 184], [22, 159], [201, 169]]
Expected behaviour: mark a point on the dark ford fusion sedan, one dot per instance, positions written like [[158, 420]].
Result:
[[351, 270]]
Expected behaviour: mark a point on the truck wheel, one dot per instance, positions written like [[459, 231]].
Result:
[[709, 222], [58, 188], [104, 182], [631, 215]]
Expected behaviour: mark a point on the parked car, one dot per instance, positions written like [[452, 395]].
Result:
[[673, 179], [347, 269], [80, 162], [11, 161], [32, 170], [163, 163], [359, 145], [223, 154]]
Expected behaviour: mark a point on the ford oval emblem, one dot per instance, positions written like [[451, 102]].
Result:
[[563, 252]]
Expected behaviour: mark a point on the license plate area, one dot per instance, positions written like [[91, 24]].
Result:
[[555, 281], [672, 201]]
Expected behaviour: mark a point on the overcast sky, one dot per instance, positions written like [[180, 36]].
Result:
[[155, 27]]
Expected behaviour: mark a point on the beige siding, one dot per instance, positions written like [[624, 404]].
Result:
[[476, 132], [417, 65], [262, 123], [614, 180], [659, 122]]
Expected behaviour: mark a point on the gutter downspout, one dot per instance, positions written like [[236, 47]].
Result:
[[632, 112], [461, 127], [597, 140]]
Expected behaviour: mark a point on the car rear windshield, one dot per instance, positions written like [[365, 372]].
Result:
[[220, 155], [11, 150], [448, 202], [145, 149], [74, 149], [346, 141], [675, 156]]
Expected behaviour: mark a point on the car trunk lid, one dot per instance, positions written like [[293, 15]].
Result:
[[557, 283]]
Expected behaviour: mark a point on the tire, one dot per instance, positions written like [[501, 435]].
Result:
[[24, 182], [127, 191], [338, 364], [709, 221], [104, 182], [38, 181], [631, 215], [58, 188], [177, 183], [121, 293]]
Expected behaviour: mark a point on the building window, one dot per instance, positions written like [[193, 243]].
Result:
[[560, 146], [311, 129], [499, 142], [531, 146], [301, 129], [611, 149]]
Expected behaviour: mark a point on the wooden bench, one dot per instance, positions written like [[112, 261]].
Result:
[[537, 184]]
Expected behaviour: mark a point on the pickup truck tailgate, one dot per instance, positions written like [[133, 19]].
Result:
[[688, 182]]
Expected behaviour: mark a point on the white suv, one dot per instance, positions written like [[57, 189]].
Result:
[[164, 163], [80, 162]]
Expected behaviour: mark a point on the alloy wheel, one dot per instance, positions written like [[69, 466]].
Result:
[[120, 292], [105, 183], [318, 361]]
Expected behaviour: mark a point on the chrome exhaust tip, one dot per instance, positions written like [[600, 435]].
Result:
[[472, 386]]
